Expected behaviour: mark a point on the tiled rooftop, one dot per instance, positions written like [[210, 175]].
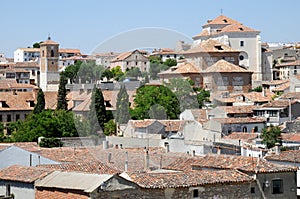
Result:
[[240, 120], [292, 156], [187, 179], [95, 167], [246, 137], [23, 174], [223, 66], [242, 163], [210, 45]]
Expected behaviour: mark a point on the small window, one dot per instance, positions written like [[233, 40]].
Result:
[[33, 72], [277, 186], [8, 118], [43, 53], [255, 129], [17, 117], [52, 53], [136, 63], [242, 43], [252, 190], [241, 57], [1, 120], [52, 62], [195, 193]]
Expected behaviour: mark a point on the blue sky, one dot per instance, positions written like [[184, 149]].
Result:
[[85, 24]]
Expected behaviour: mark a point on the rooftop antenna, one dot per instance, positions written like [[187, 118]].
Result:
[[221, 11]]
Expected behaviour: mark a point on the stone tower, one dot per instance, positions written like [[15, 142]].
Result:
[[49, 72]]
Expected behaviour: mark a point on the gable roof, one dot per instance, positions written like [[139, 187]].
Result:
[[242, 163], [237, 109], [246, 137], [237, 28], [23, 173], [96, 167], [187, 179], [209, 46], [223, 66], [285, 156], [239, 120], [125, 55], [181, 68], [221, 20]]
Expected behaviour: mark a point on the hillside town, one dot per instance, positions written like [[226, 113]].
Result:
[[215, 118]]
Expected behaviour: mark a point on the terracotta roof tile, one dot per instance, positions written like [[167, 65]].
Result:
[[121, 57], [23, 174], [223, 66], [237, 28], [291, 137], [241, 163], [259, 97], [69, 50], [285, 156], [48, 42], [87, 167], [221, 19], [188, 179], [282, 87], [141, 123], [278, 104], [246, 137], [210, 45], [240, 120], [237, 109], [173, 125]]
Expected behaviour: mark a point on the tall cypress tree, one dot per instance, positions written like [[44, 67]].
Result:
[[122, 113], [97, 114], [40, 105], [62, 103]]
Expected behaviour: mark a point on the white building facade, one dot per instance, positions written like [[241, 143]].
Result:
[[239, 37]]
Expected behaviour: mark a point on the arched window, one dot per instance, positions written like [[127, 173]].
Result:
[[43, 53], [244, 129], [52, 53]]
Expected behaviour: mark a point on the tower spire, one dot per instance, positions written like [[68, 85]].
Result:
[[221, 11], [49, 38]]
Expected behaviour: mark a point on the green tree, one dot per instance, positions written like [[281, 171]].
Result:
[[85, 72], [156, 68], [48, 124], [270, 136], [110, 128], [71, 71], [134, 72], [50, 142], [170, 62], [97, 114], [36, 44], [258, 89], [202, 96], [155, 59], [184, 93], [108, 74], [122, 106], [40, 105], [62, 103], [147, 96], [117, 73], [98, 71]]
